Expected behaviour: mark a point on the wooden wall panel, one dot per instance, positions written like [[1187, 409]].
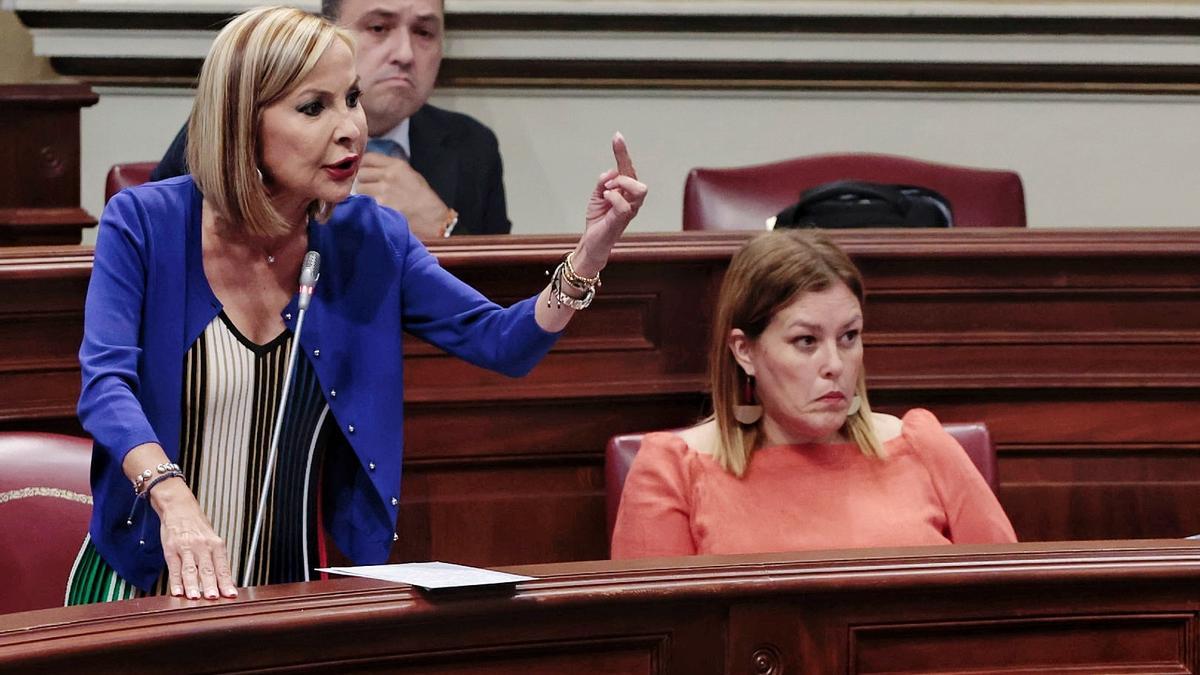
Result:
[[1152, 643], [1087, 464], [1105, 493], [635, 657], [41, 325], [539, 499], [644, 333], [481, 514], [1077, 348]]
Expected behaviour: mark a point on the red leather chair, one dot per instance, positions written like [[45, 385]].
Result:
[[742, 198], [121, 176], [620, 451], [45, 504]]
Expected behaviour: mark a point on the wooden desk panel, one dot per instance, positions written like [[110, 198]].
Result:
[[1080, 349], [1128, 607]]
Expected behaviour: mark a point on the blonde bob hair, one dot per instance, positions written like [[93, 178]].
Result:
[[765, 276], [258, 58]]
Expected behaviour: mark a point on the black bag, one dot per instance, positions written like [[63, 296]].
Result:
[[851, 204]]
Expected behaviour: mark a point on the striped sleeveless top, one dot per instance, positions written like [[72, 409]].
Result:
[[231, 395]]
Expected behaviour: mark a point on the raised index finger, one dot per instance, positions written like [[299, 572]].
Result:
[[621, 152]]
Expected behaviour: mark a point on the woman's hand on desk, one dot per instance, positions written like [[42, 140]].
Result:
[[197, 562]]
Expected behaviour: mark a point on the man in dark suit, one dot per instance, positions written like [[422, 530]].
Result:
[[441, 169]]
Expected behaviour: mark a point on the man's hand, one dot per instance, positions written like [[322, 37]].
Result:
[[393, 183]]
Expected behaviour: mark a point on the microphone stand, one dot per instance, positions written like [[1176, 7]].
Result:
[[310, 271]]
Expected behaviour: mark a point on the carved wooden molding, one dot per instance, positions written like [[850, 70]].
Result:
[[861, 46]]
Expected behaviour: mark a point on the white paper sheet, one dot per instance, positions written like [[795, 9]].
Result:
[[430, 575]]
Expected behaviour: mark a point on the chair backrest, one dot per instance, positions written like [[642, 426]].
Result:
[[977, 441], [45, 504], [121, 176], [621, 449], [742, 198]]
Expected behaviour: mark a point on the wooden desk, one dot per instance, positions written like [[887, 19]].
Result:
[[1129, 607], [1080, 349]]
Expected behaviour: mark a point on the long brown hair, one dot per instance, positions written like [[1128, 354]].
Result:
[[766, 275]]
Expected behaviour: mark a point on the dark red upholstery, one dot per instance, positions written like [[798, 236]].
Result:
[[121, 176], [742, 198], [975, 439], [619, 454], [45, 503]]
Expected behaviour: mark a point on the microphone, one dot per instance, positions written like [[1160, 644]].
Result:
[[310, 271]]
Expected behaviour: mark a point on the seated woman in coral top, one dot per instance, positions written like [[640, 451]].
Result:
[[800, 461]]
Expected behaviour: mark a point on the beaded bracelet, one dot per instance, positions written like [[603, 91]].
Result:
[[556, 292], [565, 273], [139, 482], [582, 283], [173, 473]]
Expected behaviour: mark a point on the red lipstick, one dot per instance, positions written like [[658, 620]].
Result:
[[344, 169]]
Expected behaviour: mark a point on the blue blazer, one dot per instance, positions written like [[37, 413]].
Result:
[[149, 300]]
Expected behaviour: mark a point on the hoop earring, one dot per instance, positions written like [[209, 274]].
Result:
[[748, 411], [855, 405], [260, 175]]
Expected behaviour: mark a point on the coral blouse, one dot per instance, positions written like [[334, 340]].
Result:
[[678, 501]]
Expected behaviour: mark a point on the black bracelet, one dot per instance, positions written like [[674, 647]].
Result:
[[174, 473], [139, 483]]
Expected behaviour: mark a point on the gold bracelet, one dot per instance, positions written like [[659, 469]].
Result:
[[582, 283], [560, 296]]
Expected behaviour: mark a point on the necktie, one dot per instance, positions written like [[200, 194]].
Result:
[[386, 146]]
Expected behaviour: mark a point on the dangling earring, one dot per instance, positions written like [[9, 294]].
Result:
[[748, 411], [855, 405]]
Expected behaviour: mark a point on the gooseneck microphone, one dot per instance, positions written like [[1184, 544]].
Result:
[[310, 271]]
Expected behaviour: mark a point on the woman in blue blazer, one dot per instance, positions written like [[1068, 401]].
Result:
[[192, 310]]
